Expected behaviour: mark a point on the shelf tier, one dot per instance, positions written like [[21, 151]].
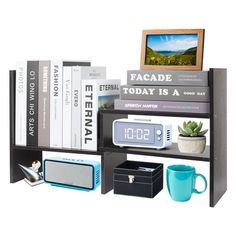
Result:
[[151, 113], [171, 152], [106, 118], [48, 149]]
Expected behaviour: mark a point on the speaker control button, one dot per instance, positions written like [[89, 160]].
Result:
[[158, 132]]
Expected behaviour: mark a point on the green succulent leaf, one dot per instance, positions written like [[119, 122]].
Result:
[[192, 125], [202, 133], [192, 129], [198, 129], [188, 130], [181, 131]]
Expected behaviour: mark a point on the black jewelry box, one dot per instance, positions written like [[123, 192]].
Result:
[[134, 178]]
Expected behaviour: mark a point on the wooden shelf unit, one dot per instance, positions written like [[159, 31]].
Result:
[[111, 156]]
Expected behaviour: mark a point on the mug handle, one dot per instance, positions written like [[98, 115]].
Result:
[[205, 181]]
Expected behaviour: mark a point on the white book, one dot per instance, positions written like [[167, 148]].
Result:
[[96, 94], [56, 104], [21, 103], [76, 108], [80, 73], [66, 107]]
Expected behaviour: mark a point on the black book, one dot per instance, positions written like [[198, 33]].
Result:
[[32, 103]]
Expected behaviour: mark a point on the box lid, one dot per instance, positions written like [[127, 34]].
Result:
[[138, 168], [127, 178]]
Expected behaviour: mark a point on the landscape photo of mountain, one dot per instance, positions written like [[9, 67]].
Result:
[[171, 49]]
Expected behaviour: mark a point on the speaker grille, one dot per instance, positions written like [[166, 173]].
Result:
[[68, 173], [97, 177], [168, 135]]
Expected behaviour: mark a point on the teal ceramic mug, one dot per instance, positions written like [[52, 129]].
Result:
[[181, 181]]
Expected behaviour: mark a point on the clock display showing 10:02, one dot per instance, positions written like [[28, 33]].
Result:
[[128, 132], [136, 134]]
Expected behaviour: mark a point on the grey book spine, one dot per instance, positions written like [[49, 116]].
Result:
[[165, 93], [162, 106], [44, 104], [172, 78], [76, 63], [32, 103]]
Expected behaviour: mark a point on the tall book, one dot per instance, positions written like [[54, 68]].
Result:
[[66, 107], [80, 73], [44, 104], [56, 104], [32, 103], [172, 78], [164, 93], [21, 103], [96, 94], [162, 106], [56, 97]]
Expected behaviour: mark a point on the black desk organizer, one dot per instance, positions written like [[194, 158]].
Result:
[[132, 178], [111, 156]]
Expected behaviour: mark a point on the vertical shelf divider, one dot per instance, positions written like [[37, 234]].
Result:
[[218, 134], [109, 161], [18, 156]]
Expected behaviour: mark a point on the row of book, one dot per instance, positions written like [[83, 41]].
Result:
[[56, 103], [166, 91]]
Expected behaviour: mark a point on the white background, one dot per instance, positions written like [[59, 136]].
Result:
[[109, 33]]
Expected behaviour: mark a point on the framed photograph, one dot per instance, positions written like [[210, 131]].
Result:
[[180, 49]]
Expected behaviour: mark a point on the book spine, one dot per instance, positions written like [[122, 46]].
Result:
[[164, 93], [96, 94], [21, 103], [76, 109], [66, 140], [171, 78], [108, 91], [82, 73], [93, 72], [162, 106], [76, 63], [89, 114], [44, 104], [32, 103], [56, 104]]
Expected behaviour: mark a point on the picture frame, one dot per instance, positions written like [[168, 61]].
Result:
[[172, 49]]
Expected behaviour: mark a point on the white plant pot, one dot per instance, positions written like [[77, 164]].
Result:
[[191, 144]]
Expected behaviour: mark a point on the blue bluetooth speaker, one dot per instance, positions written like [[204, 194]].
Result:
[[72, 173]]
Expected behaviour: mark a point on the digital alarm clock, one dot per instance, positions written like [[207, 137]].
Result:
[[147, 133]]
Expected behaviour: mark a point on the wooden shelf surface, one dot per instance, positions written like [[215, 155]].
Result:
[[151, 113], [48, 149], [171, 152]]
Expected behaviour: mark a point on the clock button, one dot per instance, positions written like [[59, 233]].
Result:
[[158, 138], [158, 132]]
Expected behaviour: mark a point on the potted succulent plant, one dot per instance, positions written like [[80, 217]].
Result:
[[191, 138]]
